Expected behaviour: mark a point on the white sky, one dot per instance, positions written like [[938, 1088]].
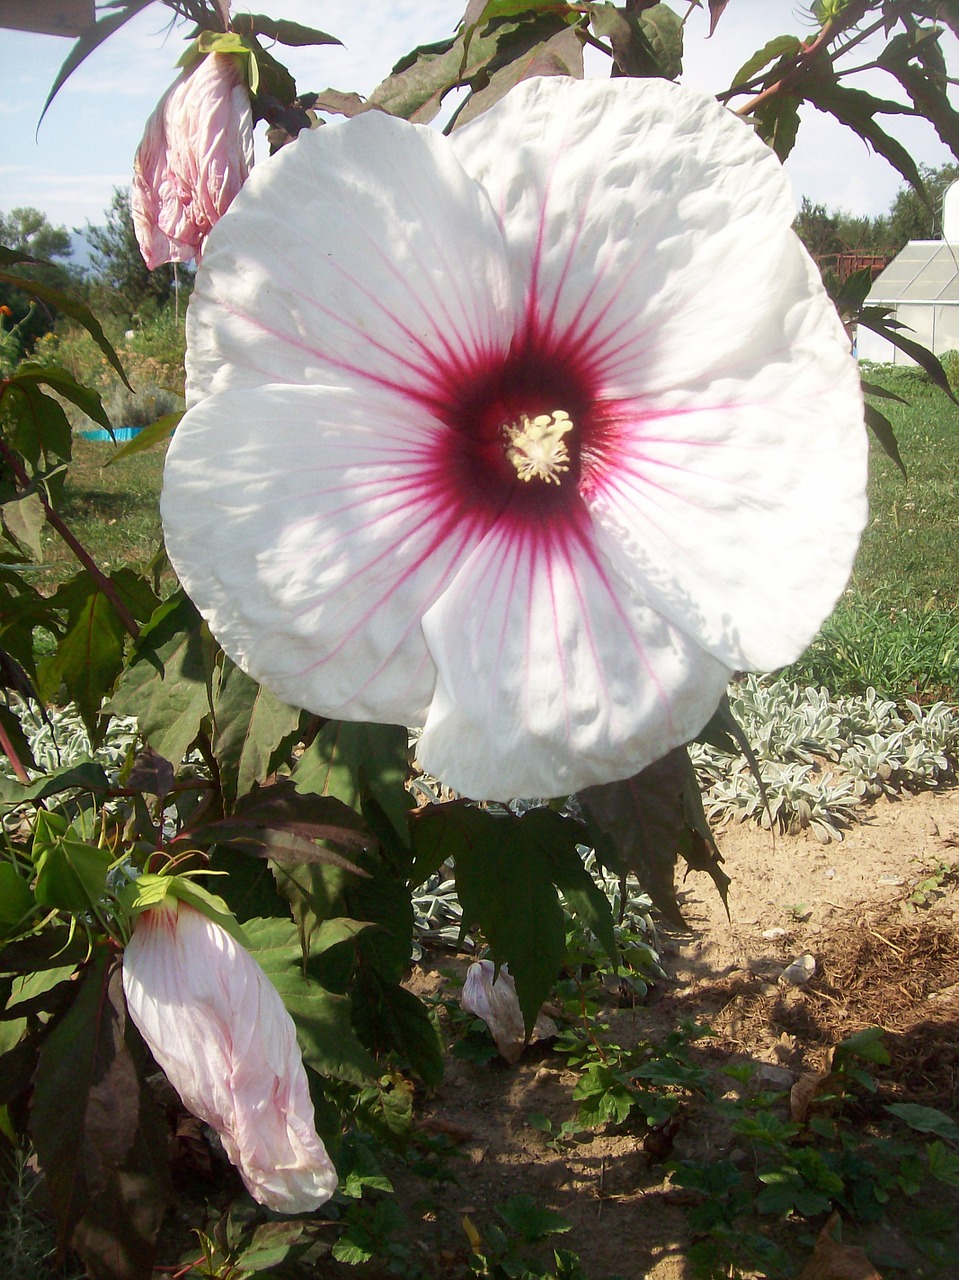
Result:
[[86, 144]]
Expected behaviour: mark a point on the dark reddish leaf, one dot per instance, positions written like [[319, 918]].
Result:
[[716, 10], [337, 103], [277, 821], [96, 1132], [648, 821], [282, 30]]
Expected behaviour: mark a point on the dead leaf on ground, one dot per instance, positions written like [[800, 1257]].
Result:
[[834, 1261]]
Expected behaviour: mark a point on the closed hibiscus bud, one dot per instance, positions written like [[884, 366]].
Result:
[[217, 1027], [196, 153], [493, 998]]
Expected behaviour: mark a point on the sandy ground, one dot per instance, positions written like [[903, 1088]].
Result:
[[879, 960]]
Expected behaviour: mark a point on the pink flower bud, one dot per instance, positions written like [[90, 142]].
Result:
[[497, 1003], [218, 1028], [196, 153]]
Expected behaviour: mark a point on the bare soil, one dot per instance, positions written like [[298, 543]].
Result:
[[880, 960]]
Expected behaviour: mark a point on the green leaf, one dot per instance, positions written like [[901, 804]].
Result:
[[925, 1119], [23, 519], [559, 838], [322, 1018], [98, 1134], [166, 684], [504, 878], [156, 433], [943, 1164], [40, 427], [249, 724], [71, 874], [391, 1019], [664, 31], [89, 657], [643, 823], [877, 319], [632, 52], [56, 297], [780, 47], [87, 775], [277, 821], [286, 32], [16, 901], [777, 122], [858, 110], [64, 384], [91, 39], [349, 760], [530, 1220]]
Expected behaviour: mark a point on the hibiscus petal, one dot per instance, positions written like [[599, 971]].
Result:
[[555, 673], [315, 545], [734, 487], [395, 272], [218, 1028]]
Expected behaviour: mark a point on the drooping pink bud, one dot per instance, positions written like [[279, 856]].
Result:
[[196, 153], [496, 1002], [217, 1026]]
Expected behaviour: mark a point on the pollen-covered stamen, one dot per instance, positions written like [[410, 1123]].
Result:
[[535, 446]]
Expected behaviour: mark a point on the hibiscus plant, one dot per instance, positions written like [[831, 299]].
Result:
[[507, 445]]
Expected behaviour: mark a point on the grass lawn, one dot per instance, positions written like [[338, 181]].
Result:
[[897, 627], [112, 509]]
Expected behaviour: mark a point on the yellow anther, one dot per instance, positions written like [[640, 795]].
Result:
[[535, 446]]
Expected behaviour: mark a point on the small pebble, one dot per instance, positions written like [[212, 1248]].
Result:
[[800, 971], [774, 933]]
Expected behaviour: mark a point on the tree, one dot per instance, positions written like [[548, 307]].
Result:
[[119, 267], [910, 218], [27, 230]]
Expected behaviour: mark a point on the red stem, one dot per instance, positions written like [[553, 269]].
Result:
[[10, 753], [78, 549]]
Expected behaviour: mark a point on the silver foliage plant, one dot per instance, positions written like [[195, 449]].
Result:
[[820, 756]]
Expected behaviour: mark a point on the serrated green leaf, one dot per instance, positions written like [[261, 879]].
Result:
[[322, 1018], [780, 47], [166, 683], [348, 760], [858, 110], [64, 384], [925, 1119], [504, 882], [777, 123], [876, 319], [89, 656], [40, 427], [559, 838], [664, 31], [249, 724], [532, 1221], [560, 54], [392, 1019]]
